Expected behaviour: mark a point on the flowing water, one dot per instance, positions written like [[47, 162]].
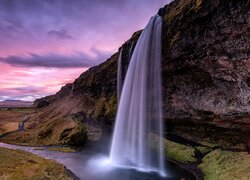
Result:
[[91, 164], [140, 112], [119, 76]]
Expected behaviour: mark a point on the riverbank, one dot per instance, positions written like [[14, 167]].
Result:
[[204, 161], [208, 161], [17, 164], [90, 163]]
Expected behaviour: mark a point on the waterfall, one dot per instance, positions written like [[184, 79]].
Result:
[[119, 76], [131, 50], [140, 106], [120, 68]]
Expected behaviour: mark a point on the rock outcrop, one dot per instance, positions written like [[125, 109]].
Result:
[[206, 77], [206, 70]]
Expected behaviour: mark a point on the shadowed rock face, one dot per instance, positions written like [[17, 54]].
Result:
[[206, 76], [206, 71]]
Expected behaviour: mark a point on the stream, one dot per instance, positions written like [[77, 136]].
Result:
[[91, 164]]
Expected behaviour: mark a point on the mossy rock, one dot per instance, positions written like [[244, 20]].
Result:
[[226, 165], [175, 151], [203, 150], [76, 136], [179, 152]]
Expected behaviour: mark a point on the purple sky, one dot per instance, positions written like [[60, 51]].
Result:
[[47, 43]]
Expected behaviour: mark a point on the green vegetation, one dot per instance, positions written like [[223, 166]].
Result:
[[203, 150], [22, 110], [216, 164], [174, 151], [179, 152], [20, 165], [68, 131], [226, 165]]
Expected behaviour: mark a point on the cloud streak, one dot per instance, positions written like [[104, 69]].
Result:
[[60, 34], [57, 60]]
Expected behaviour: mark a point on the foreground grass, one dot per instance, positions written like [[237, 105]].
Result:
[[215, 164], [18, 165], [226, 165]]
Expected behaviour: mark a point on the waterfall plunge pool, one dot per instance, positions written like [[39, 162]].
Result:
[[92, 163]]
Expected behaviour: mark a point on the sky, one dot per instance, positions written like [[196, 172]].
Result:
[[45, 44]]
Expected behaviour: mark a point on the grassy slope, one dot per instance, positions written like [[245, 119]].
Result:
[[16, 164], [68, 132], [9, 119]]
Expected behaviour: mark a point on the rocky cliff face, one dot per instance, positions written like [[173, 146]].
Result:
[[206, 77], [206, 71]]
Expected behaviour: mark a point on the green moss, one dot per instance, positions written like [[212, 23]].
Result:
[[179, 152], [20, 110], [226, 165], [16, 164], [208, 144], [203, 150], [174, 151], [106, 107]]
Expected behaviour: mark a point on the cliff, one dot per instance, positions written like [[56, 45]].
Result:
[[206, 81]]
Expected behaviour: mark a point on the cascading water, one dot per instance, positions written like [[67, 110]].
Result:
[[131, 50], [140, 109], [119, 76]]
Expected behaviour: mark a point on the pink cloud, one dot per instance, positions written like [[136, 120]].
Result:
[[17, 81]]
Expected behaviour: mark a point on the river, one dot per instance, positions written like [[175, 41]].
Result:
[[91, 164]]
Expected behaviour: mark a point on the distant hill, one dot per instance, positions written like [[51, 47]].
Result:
[[15, 103]]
